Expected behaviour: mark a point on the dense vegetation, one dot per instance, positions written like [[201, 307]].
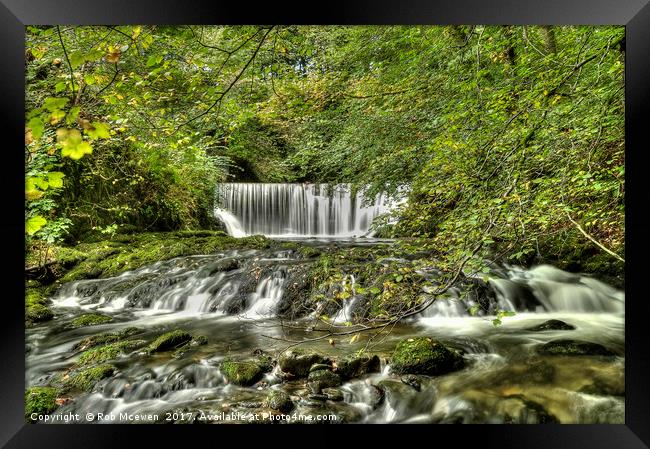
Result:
[[510, 139]]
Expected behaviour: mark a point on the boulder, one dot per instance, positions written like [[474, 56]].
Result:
[[298, 364], [574, 347], [552, 325], [355, 366], [170, 340], [280, 401], [323, 379], [243, 373], [424, 355]]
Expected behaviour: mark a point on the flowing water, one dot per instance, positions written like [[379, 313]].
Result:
[[237, 300]]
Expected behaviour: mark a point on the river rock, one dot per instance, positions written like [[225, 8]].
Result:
[[355, 366], [242, 373], [424, 355], [574, 347], [412, 381], [298, 363], [170, 340], [551, 325], [280, 401], [323, 379], [333, 394]]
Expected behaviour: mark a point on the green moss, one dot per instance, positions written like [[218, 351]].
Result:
[[242, 373], [170, 340], [574, 347], [86, 379], [102, 339], [40, 400], [424, 355], [108, 352], [37, 313], [90, 319]]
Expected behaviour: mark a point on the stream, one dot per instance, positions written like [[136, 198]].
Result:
[[237, 300]]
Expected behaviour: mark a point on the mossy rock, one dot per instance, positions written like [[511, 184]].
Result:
[[85, 380], [102, 339], [356, 366], [40, 400], [323, 379], [552, 325], [280, 401], [243, 373], [424, 355], [170, 340], [298, 363], [108, 352], [91, 319], [575, 348], [37, 313]]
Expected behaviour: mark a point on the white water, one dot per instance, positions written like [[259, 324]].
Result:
[[291, 210]]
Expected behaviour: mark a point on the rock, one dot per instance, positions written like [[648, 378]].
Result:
[[170, 340], [90, 319], [551, 325], [574, 347], [412, 381], [40, 400], [298, 363], [86, 379], [425, 355], [280, 401], [243, 373], [333, 394], [517, 409], [323, 379], [319, 366], [355, 366], [108, 352], [318, 397], [199, 341], [37, 313]]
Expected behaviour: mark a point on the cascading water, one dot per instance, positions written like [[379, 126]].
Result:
[[290, 210]]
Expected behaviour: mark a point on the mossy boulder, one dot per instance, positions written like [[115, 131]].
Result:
[[357, 365], [86, 379], [243, 373], [299, 363], [108, 352], [91, 319], [552, 325], [170, 340], [424, 355], [102, 339], [323, 378], [37, 313], [574, 347], [280, 401], [40, 400]]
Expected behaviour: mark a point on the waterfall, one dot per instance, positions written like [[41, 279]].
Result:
[[307, 210]]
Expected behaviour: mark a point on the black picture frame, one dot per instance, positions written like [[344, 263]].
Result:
[[634, 14]]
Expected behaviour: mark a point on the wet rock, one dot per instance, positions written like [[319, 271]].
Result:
[[323, 379], [319, 366], [551, 325], [36, 313], [517, 409], [318, 397], [243, 373], [424, 355], [90, 319], [170, 340], [412, 381], [333, 394], [40, 400], [86, 379], [280, 401], [102, 339], [574, 347], [356, 366], [199, 341], [298, 363]]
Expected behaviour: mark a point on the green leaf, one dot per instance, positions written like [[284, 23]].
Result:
[[52, 103], [375, 290], [35, 223], [89, 79], [76, 59], [72, 144], [73, 113], [55, 179], [37, 127], [59, 87], [98, 131], [154, 60]]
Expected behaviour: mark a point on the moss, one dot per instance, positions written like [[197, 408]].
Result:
[[40, 400], [102, 339], [37, 313], [90, 319], [574, 347], [280, 401], [170, 340], [355, 366], [323, 378], [424, 355], [86, 379], [108, 352], [242, 373]]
